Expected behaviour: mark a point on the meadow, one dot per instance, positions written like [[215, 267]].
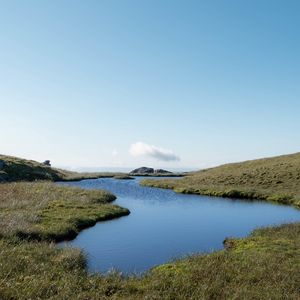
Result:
[[275, 179], [34, 215]]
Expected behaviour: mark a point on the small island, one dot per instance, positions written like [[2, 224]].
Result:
[[146, 171]]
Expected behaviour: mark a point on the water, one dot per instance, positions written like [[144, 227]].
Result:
[[164, 225]]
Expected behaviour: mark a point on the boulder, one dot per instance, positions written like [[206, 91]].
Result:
[[47, 163], [162, 171], [2, 164], [142, 170], [3, 176], [229, 243]]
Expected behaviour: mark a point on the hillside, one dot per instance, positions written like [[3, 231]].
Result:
[[19, 169], [273, 179]]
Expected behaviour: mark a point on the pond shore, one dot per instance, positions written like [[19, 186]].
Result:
[[264, 265], [275, 179]]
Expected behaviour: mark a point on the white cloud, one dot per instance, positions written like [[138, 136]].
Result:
[[143, 149]]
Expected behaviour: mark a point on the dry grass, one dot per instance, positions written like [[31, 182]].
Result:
[[273, 179], [43, 210], [265, 265], [19, 169]]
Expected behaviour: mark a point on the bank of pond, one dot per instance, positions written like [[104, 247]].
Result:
[[164, 225]]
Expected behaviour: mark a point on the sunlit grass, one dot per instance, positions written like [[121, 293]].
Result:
[[265, 265], [45, 211], [273, 179]]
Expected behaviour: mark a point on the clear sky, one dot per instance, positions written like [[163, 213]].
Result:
[[167, 83]]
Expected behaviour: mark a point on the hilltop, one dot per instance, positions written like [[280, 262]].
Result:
[[273, 179], [19, 169]]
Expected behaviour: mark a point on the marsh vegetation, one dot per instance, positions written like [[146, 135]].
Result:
[[265, 265], [275, 179]]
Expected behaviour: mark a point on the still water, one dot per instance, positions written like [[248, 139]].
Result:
[[164, 225]]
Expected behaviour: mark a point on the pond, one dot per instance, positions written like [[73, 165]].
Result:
[[164, 225]]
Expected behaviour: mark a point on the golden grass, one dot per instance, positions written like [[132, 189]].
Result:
[[274, 179]]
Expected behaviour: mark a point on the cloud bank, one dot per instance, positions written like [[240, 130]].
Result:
[[143, 149]]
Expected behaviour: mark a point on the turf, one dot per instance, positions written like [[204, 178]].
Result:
[[19, 169], [265, 265], [45, 211], [274, 179]]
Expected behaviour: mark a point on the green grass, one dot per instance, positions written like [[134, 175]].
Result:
[[16, 169], [265, 265], [45, 211], [274, 179], [123, 177], [19, 169]]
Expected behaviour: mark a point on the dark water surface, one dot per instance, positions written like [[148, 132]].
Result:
[[164, 225]]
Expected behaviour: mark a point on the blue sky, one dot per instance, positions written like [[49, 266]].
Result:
[[176, 84]]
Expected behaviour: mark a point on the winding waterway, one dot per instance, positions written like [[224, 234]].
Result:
[[164, 225]]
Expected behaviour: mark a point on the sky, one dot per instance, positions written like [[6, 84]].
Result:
[[168, 84]]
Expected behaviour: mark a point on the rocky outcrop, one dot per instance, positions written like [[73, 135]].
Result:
[[47, 163], [142, 170], [149, 171], [3, 177], [162, 171], [229, 243], [2, 164]]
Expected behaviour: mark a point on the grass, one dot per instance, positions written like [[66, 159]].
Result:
[[274, 179], [16, 169], [124, 176], [19, 169], [265, 265], [45, 211]]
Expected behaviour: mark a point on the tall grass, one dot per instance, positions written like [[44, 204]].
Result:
[[45, 211], [265, 265]]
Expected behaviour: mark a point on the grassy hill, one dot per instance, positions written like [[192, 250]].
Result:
[[16, 169], [273, 179], [19, 169]]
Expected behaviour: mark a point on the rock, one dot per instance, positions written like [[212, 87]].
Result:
[[229, 243], [3, 176], [2, 164], [142, 170], [162, 171], [149, 171], [47, 163]]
